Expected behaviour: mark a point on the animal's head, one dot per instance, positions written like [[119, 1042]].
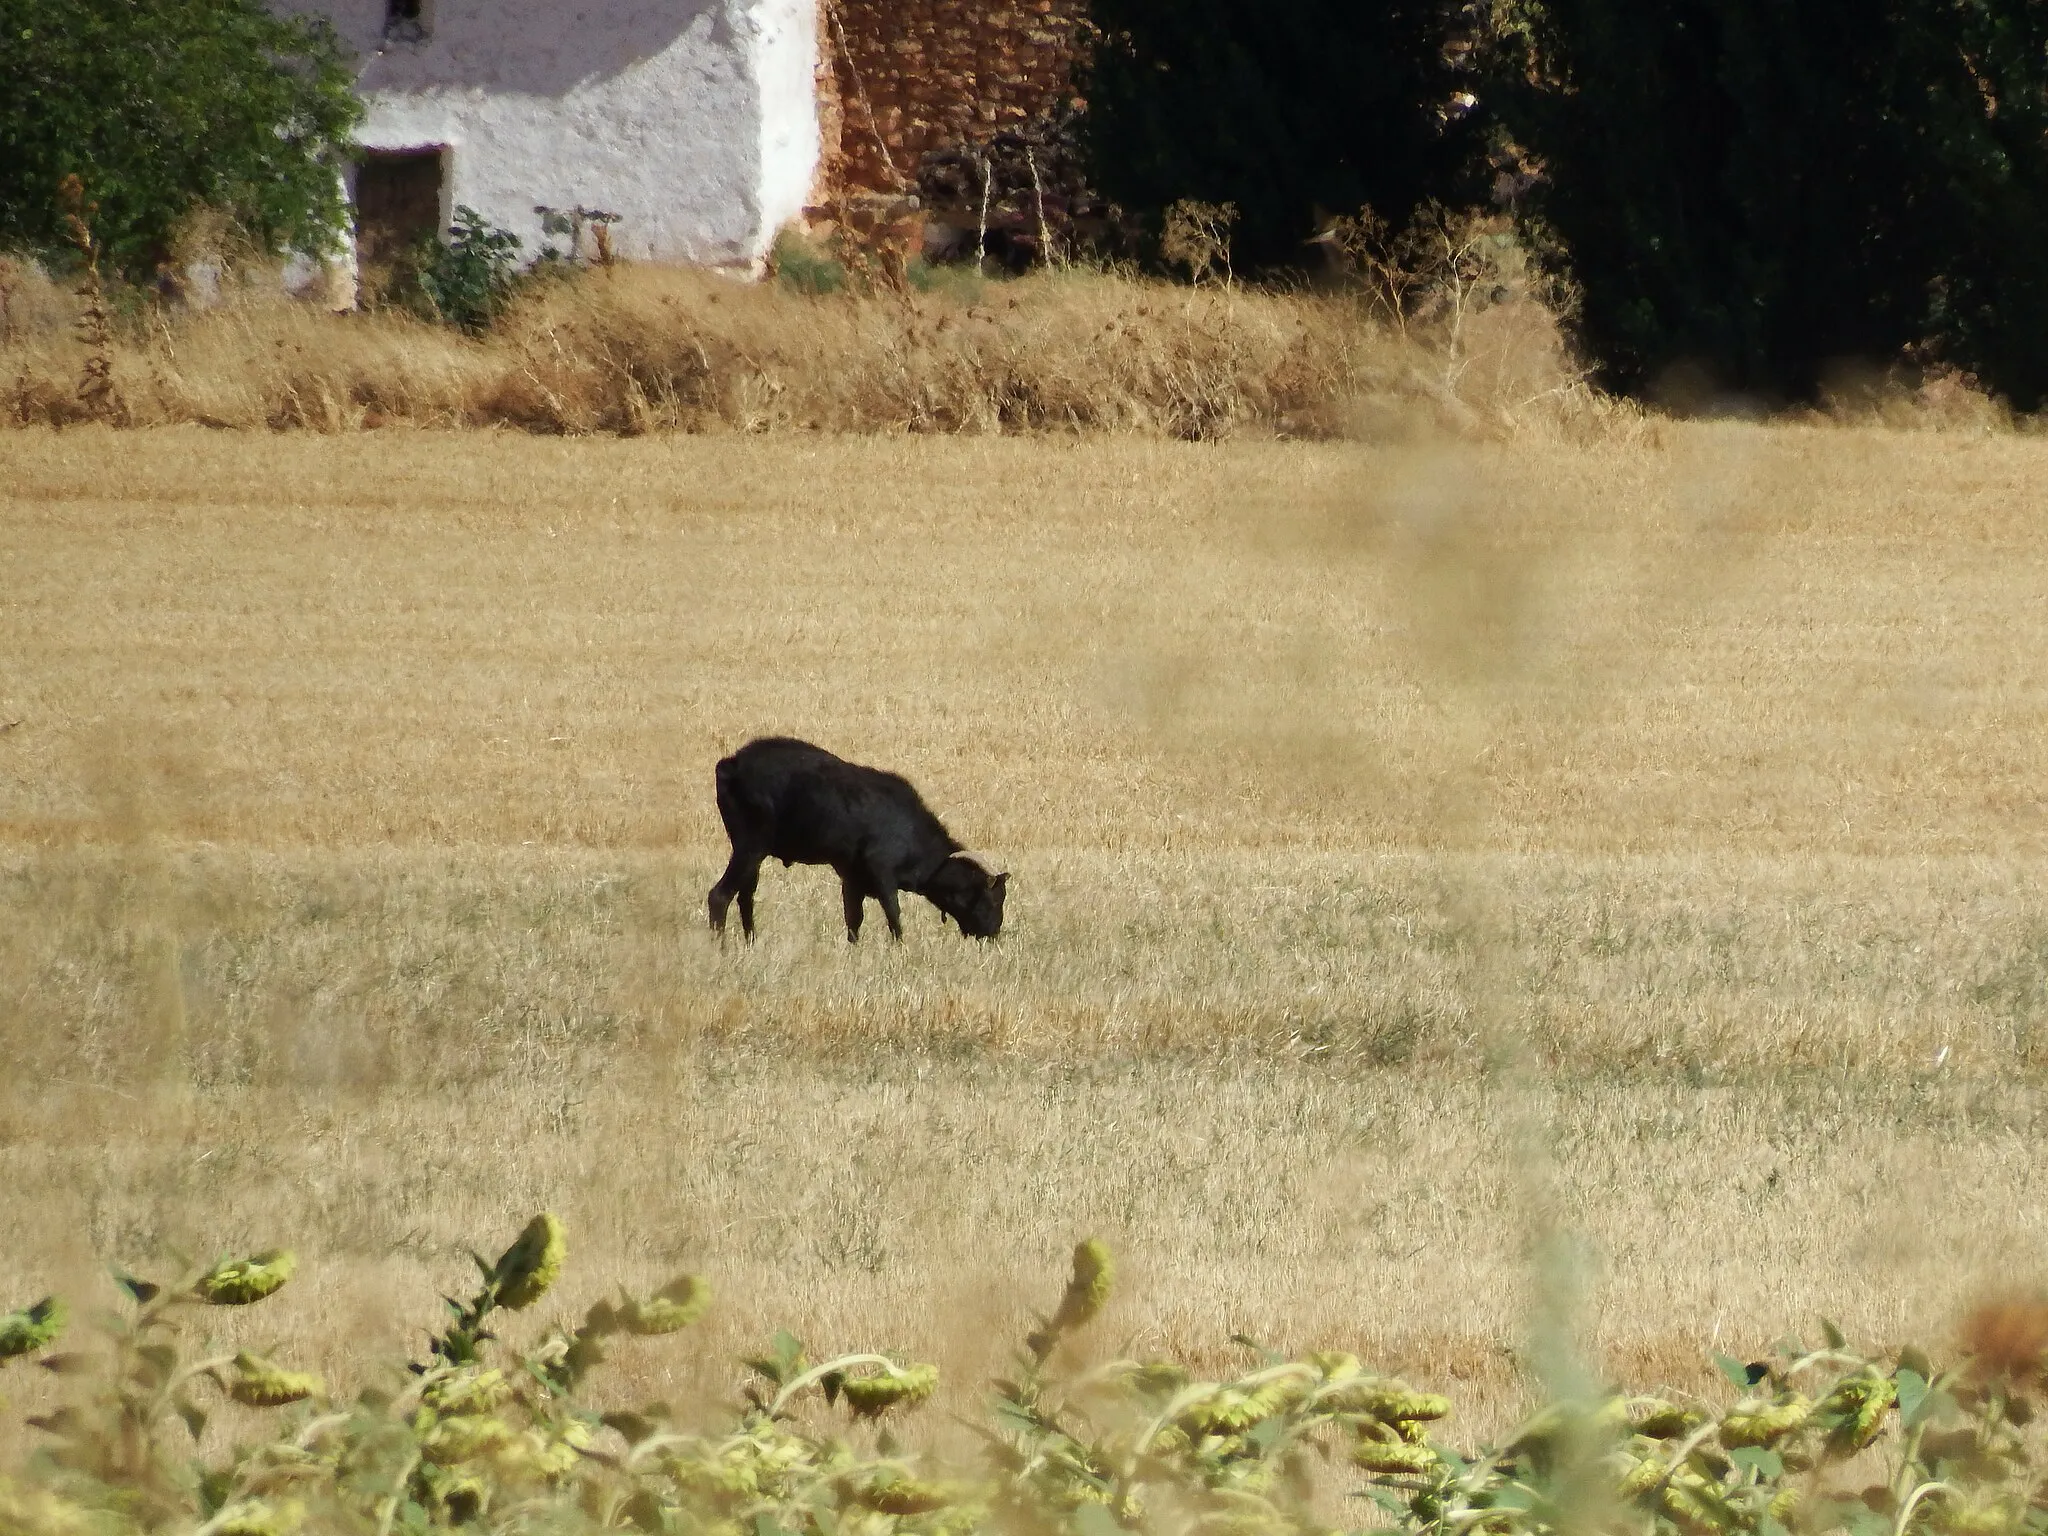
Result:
[[968, 891]]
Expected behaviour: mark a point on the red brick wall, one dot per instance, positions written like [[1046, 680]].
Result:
[[900, 77]]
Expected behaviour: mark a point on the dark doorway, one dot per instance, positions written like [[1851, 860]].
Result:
[[398, 205], [407, 21]]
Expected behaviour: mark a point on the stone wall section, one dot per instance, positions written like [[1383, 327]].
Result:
[[900, 77]]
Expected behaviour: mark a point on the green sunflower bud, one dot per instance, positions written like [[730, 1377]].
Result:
[[1763, 1424], [1659, 1420], [1233, 1410], [869, 1396], [1393, 1456], [32, 1328], [259, 1383], [676, 1305], [1685, 1508], [1394, 1403], [1086, 1295], [239, 1283], [1640, 1478], [908, 1495], [1224, 1412], [1157, 1378], [259, 1517], [1685, 1499], [1861, 1401], [465, 1438], [548, 1455], [526, 1270], [1982, 1515], [468, 1392]]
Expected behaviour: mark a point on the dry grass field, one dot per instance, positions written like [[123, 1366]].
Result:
[[1423, 856]]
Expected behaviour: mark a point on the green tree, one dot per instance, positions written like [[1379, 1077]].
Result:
[[161, 106], [1286, 110], [1765, 189]]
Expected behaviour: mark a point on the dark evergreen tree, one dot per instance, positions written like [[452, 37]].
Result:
[[1765, 189], [1285, 108], [159, 106]]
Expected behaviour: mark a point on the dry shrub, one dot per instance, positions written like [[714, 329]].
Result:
[[635, 349], [274, 362], [1479, 320], [678, 349], [32, 307], [1935, 398], [1197, 238]]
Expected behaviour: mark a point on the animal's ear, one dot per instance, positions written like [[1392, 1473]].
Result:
[[1001, 882]]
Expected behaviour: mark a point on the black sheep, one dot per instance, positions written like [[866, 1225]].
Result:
[[788, 800]]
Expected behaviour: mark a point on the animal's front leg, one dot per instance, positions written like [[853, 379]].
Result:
[[887, 897], [856, 907]]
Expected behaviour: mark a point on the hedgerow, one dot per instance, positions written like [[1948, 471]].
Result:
[[483, 1436]]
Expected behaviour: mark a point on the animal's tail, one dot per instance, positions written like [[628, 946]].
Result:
[[733, 805]]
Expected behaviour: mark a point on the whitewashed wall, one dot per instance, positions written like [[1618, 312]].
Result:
[[696, 120]]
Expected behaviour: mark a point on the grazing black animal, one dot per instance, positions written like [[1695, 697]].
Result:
[[788, 800]]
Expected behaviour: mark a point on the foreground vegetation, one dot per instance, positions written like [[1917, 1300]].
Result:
[[479, 1436]]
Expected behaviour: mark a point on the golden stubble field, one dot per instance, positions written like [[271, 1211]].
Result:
[[1425, 857]]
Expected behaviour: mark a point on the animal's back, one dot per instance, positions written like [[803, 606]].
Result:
[[807, 804], [777, 755], [756, 779]]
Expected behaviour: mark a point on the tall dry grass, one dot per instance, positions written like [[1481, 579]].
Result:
[[632, 349], [1417, 850]]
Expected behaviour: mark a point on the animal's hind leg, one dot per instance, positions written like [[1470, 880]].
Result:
[[855, 902], [741, 876]]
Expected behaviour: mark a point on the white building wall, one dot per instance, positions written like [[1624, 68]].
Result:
[[695, 120], [787, 55]]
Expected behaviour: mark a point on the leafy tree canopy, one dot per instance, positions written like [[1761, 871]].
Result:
[[1763, 190], [1286, 109], [162, 106]]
